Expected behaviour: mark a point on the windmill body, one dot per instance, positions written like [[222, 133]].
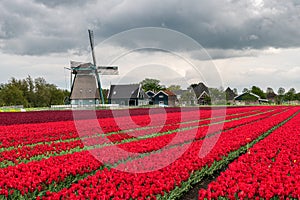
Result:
[[85, 90], [86, 87]]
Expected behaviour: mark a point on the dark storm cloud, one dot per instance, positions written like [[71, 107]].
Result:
[[55, 3], [216, 24], [42, 27], [30, 28]]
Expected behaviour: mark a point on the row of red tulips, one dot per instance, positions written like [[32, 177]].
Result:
[[270, 169], [56, 116]]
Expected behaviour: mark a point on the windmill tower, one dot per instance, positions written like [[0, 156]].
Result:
[[86, 86]]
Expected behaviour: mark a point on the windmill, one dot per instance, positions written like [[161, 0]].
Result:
[[86, 85]]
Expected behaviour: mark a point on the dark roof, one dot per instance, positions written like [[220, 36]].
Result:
[[150, 93], [241, 96], [230, 94], [199, 89], [85, 87], [124, 91]]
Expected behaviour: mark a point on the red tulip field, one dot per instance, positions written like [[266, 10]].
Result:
[[151, 154]]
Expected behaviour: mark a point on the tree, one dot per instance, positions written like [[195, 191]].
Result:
[[269, 90], [290, 95], [245, 90], [292, 91], [217, 96], [235, 91], [42, 95], [174, 87], [297, 96], [187, 98], [11, 96], [256, 90], [281, 91], [31, 93], [151, 84]]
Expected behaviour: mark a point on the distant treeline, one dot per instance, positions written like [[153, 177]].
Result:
[[31, 93]]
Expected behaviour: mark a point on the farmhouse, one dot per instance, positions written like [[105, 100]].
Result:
[[164, 98], [127, 95], [249, 98], [202, 93], [230, 95]]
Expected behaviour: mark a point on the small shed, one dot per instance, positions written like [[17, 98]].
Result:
[[127, 95], [249, 98], [164, 98]]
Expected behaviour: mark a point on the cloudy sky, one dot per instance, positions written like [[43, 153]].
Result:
[[248, 42]]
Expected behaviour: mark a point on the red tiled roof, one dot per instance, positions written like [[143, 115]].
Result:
[[170, 93]]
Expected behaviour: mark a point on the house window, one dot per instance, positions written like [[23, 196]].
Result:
[[161, 96]]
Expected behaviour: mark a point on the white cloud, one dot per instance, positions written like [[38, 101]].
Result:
[[277, 69]]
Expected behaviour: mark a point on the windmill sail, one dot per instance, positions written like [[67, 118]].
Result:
[[75, 64], [108, 70]]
